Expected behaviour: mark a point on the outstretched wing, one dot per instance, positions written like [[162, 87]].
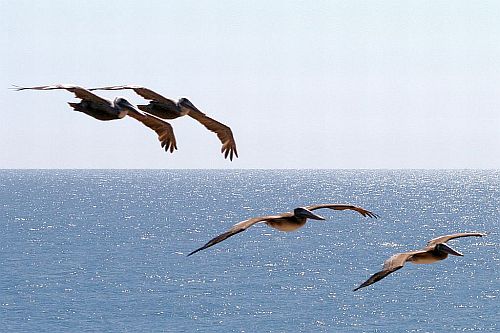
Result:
[[235, 229], [391, 265], [377, 277], [141, 91], [223, 132], [163, 129], [444, 239], [360, 210], [79, 92]]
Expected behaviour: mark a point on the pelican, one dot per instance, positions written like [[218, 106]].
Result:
[[103, 109], [284, 222], [436, 250], [166, 108]]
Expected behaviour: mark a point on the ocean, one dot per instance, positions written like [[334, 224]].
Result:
[[105, 251]]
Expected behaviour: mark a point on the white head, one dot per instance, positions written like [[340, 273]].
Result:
[[123, 104], [186, 103]]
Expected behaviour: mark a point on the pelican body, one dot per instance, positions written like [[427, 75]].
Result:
[[287, 222], [438, 253], [105, 110], [114, 110], [292, 221], [436, 250], [166, 108]]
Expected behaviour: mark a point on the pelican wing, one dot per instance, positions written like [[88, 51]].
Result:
[[391, 265], [163, 129], [143, 92], [79, 92], [223, 132], [235, 229], [377, 277], [360, 210], [444, 239]]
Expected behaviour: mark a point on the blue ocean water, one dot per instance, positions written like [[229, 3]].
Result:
[[105, 250]]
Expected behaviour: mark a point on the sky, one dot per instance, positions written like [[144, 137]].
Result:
[[302, 84]]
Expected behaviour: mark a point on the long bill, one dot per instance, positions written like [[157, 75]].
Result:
[[303, 212], [447, 249]]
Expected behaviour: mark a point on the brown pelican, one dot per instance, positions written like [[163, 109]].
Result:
[[103, 109], [436, 250], [284, 222], [166, 108]]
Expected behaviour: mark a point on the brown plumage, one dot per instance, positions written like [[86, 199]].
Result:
[[103, 109], [436, 250], [289, 221], [166, 108]]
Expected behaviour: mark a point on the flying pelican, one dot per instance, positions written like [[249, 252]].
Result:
[[166, 108], [436, 250], [103, 109], [284, 222]]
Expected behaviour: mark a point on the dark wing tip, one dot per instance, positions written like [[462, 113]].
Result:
[[364, 284], [197, 250], [229, 151], [207, 245], [234, 153], [377, 277], [218, 239], [366, 213], [168, 146]]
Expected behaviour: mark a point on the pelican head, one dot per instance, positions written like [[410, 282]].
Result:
[[442, 247], [123, 104], [186, 103], [303, 212]]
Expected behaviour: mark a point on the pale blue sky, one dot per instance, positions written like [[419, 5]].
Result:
[[303, 84]]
